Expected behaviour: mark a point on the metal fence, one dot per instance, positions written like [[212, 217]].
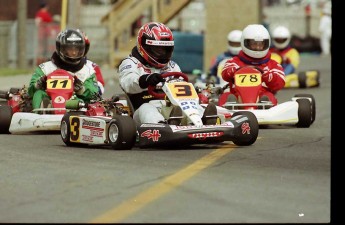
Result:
[[40, 42]]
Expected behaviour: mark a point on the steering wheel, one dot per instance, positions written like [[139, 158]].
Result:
[[152, 89]]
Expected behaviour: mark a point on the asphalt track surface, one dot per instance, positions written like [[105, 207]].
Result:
[[284, 177]]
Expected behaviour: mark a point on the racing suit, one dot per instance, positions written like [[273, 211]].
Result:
[[273, 76], [85, 74], [289, 58], [325, 28], [214, 68], [99, 76], [130, 69]]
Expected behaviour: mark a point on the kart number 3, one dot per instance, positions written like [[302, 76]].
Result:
[[253, 79], [183, 90]]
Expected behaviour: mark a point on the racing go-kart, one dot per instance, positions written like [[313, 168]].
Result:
[[302, 79], [299, 112], [17, 115], [100, 122], [120, 131]]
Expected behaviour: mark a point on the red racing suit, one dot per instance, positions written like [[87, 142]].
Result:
[[273, 76]]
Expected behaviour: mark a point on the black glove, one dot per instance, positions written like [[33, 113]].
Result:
[[78, 86], [150, 80], [41, 83]]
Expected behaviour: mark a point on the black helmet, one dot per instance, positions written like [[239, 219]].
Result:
[[70, 46]]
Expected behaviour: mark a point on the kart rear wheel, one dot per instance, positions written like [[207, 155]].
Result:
[[122, 132], [5, 118], [248, 138], [313, 107], [309, 79], [302, 80], [304, 113], [65, 130]]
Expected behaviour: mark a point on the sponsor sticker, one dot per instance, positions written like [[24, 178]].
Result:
[[151, 134]]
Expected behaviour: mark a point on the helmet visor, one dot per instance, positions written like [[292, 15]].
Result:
[[73, 51], [280, 40], [255, 45], [234, 44], [160, 51]]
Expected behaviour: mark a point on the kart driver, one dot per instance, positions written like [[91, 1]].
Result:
[[289, 56], [149, 59], [69, 56], [255, 43], [234, 47]]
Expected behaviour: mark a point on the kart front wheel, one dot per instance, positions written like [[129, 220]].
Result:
[[65, 130], [313, 105], [122, 132], [5, 118], [248, 136], [304, 113]]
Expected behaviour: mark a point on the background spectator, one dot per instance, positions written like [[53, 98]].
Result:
[[43, 14], [325, 28]]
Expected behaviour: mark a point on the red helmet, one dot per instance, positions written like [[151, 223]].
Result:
[[155, 43]]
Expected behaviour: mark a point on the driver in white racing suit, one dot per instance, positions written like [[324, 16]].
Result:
[[149, 59]]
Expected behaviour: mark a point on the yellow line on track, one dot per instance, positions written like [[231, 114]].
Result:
[[134, 204]]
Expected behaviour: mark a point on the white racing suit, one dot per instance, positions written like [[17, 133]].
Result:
[[325, 28], [147, 110]]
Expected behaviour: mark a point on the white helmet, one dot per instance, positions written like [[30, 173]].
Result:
[[281, 37], [234, 41], [255, 34]]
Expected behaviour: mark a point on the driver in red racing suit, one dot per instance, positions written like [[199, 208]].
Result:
[[144, 67], [255, 43]]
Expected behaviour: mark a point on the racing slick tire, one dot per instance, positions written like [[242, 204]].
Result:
[[309, 79], [5, 118], [65, 129], [313, 105], [304, 113], [122, 132], [254, 129]]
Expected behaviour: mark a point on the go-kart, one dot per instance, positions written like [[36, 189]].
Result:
[[17, 115], [119, 130], [299, 112], [241, 129], [302, 79], [101, 122]]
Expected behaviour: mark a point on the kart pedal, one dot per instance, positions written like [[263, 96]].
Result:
[[210, 115], [176, 116]]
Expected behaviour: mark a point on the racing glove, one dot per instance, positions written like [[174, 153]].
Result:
[[150, 79], [78, 86], [266, 76], [41, 83]]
